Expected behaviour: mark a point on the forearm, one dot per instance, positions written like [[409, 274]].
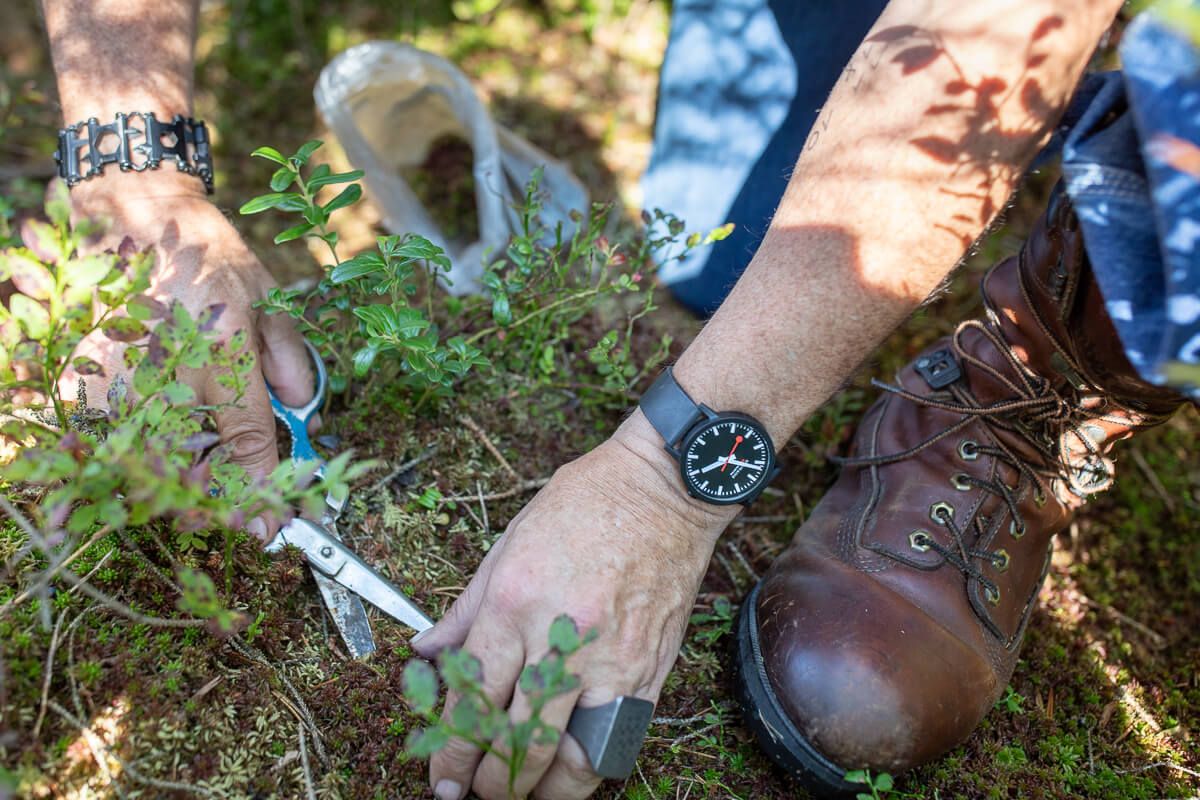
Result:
[[922, 141], [115, 56]]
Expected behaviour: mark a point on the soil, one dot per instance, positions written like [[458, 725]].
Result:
[[445, 184]]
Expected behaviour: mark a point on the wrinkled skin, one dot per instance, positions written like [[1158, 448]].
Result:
[[201, 260], [612, 542]]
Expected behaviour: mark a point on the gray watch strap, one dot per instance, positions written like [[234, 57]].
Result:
[[669, 409]]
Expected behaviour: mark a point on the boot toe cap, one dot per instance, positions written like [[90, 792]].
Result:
[[869, 679]]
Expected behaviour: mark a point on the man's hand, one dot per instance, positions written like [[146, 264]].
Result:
[[200, 260], [614, 542]]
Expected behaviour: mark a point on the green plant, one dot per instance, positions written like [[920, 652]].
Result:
[[722, 616], [397, 327], [475, 717]]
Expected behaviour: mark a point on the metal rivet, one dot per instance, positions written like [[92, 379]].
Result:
[[924, 362], [959, 481], [1002, 565], [940, 512], [1014, 531], [1039, 496], [919, 541], [968, 449], [327, 552], [993, 595]]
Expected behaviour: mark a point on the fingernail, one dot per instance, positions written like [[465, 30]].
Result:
[[419, 636], [448, 790], [257, 528]]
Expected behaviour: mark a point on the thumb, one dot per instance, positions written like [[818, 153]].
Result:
[[286, 363]]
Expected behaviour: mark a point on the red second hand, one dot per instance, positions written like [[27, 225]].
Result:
[[736, 442]]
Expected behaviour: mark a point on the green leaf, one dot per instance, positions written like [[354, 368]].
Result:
[[349, 195], [501, 311], [30, 275], [293, 233], [306, 151], [58, 204], [717, 234], [199, 594], [271, 154], [178, 394], [564, 635], [364, 357], [282, 178], [317, 181], [33, 318], [262, 203], [124, 329], [426, 742], [362, 264], [856, 776], [87, 271], [87, 366], [465, 714], [461, 671], [419, 684], [883, 782]]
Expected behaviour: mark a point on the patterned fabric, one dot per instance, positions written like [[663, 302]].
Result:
[[1131, 164]]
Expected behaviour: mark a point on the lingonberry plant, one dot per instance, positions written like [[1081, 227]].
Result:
[[475, 718]]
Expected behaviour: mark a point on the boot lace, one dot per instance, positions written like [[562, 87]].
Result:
[[1054, 422]]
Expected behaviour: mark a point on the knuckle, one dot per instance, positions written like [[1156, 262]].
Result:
[[248, 442]]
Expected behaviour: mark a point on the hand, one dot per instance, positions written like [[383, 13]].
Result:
[[614, 542], [200, 260]]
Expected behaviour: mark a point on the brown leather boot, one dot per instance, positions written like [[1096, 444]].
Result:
[[890, 626]]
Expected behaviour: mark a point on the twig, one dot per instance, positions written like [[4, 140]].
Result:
[[252, 653], [449, 564], [482, 508], [99, 564], [429, 450], [737, 551], [1157, 638], [521, 488], [483, 437], [308, 781], [125, 765], [37, 726], [1155, 765], [1152, 478], [679, 721], [737, 585]]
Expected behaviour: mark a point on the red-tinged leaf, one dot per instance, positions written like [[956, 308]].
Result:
[[956, 87], [127, 248], [893, 33], [155, 351], [124, 329], [938, 147], [87, 366], [1046, 26], [145, 307], [30, 276], [208, 317], [42, 240], [199, 441], [915, 58]]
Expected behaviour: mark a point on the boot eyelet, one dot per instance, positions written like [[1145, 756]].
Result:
[[959, 480], [1002, 565], [941, 512], [1039, 496], [1016, 531], [919, 541], [992, 594], [968, 449]]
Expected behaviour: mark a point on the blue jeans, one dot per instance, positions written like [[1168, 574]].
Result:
[[1129, 145]]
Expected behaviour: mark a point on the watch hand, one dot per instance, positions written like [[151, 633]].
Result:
[[719, 462], [736, 442], [737, 463]]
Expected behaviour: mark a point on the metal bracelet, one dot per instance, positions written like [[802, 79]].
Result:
[[137, 148]]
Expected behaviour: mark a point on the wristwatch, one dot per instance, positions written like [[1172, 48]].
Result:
[[725, 457]]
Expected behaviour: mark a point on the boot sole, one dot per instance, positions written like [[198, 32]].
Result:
[[764, 715]]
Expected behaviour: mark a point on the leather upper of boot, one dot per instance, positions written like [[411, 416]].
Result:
[[892, 623]]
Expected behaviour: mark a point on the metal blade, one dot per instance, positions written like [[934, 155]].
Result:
[[328, 555], [349, 615]]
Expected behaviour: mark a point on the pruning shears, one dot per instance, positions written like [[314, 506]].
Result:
[[345, 580]]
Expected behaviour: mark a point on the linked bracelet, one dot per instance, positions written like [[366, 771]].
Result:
[[137, 148]]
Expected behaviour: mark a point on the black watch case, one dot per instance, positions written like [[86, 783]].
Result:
[[726, 458]]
